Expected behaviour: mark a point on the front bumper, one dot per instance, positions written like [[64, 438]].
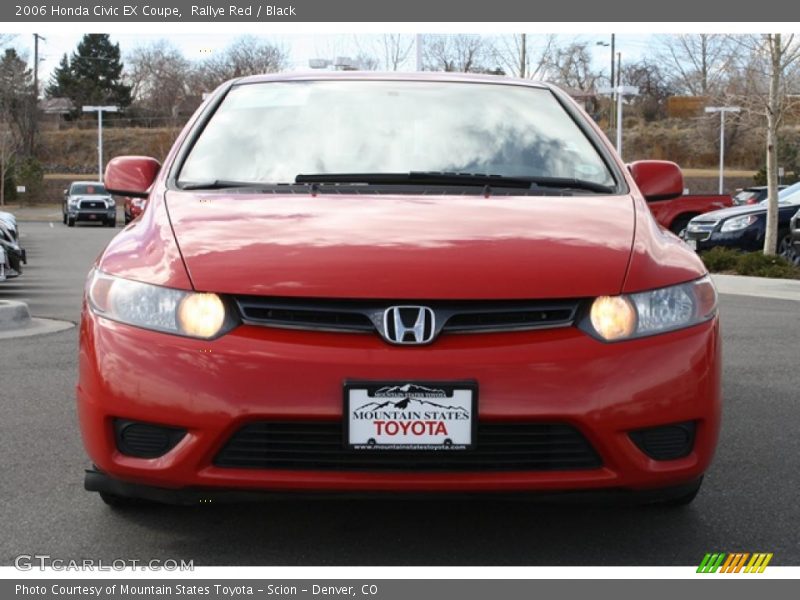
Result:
[[748, 240], [252, 374], [92, 214]]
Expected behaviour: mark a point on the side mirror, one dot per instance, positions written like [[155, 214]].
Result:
[[131, 175], [66, 192], [657, 179]]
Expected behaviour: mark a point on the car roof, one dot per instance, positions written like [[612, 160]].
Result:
[[391, 76]]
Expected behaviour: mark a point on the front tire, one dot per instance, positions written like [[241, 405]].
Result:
[[121, 502], [70, 222], [111, 222], [684, 499], [785, 248], [680, 223]]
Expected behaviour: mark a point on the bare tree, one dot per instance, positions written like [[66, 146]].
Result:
[[654, 88], [246, 56], [396, 49], [697, 63], [158, 76], [782, 54], [766, 71], [462, 53], [571, 66], [519, 55]]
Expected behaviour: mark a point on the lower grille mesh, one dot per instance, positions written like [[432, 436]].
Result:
[[320, 446]]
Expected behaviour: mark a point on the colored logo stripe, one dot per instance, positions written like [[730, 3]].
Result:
[[733, 563]]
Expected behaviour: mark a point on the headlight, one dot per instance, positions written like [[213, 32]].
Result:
[[73, 202], [738, 223], [614, 318], [192, 314]]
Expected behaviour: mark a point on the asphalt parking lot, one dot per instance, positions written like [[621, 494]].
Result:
[[748, 502]]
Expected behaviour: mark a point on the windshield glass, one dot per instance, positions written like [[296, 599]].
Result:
[[272, 132], [87, 189]]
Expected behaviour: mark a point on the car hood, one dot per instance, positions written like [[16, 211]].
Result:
[[736, 211], [404, 247]]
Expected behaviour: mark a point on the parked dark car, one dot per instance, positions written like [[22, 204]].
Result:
[[743, 227], [12, 257], [89, 201], [794, 228], [753, 194]]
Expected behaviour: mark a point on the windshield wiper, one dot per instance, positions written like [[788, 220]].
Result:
[[221, 184], [447, 178]]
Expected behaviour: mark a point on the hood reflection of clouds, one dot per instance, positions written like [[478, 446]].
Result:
[[268, 132]]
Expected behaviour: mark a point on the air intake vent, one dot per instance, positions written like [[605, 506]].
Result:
[[320, 446], [667, 442], [145, 440]]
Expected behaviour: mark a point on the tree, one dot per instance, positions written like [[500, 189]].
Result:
[[571, 66], [696, 63], [783, 53], [93, 75], [158, 75], [246, 56], [654, 88], [518, 55], [396, 49], [462, 53], [17, 103]]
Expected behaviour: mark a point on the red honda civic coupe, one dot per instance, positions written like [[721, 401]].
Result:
[[396, 283]]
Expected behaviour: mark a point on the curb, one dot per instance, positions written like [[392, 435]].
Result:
[[760, 287], [16, 321]]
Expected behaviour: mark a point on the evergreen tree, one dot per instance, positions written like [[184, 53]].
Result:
[[93, 75], [62, 81], [17, 100]]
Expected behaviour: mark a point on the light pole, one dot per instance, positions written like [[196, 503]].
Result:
[[100, 110], [722, 110], [619, 91], [612, 79]]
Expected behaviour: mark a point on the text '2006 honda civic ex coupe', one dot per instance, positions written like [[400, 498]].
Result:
[[405, 283]]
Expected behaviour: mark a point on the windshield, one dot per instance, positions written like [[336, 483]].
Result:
[[87, 189], [273, 132]]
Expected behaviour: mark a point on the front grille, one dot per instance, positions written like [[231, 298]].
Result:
[[700, 230], [367, 316], [92, 204], [320, 446]]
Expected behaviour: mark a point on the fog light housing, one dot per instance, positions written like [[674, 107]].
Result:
[[145, 440], [667, 442]]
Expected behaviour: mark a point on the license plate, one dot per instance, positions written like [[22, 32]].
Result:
[[410, 415], [92, 217]]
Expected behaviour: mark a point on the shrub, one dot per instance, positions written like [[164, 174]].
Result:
[[721, 259], [754, 264], [759, 265]]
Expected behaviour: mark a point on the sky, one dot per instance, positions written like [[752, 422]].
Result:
[[300, 47]]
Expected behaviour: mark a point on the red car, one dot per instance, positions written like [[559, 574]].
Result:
[[396, 283], [133, 208]]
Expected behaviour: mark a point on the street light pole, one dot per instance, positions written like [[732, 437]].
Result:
[[620, 91], [722, 110], [100, 110]]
